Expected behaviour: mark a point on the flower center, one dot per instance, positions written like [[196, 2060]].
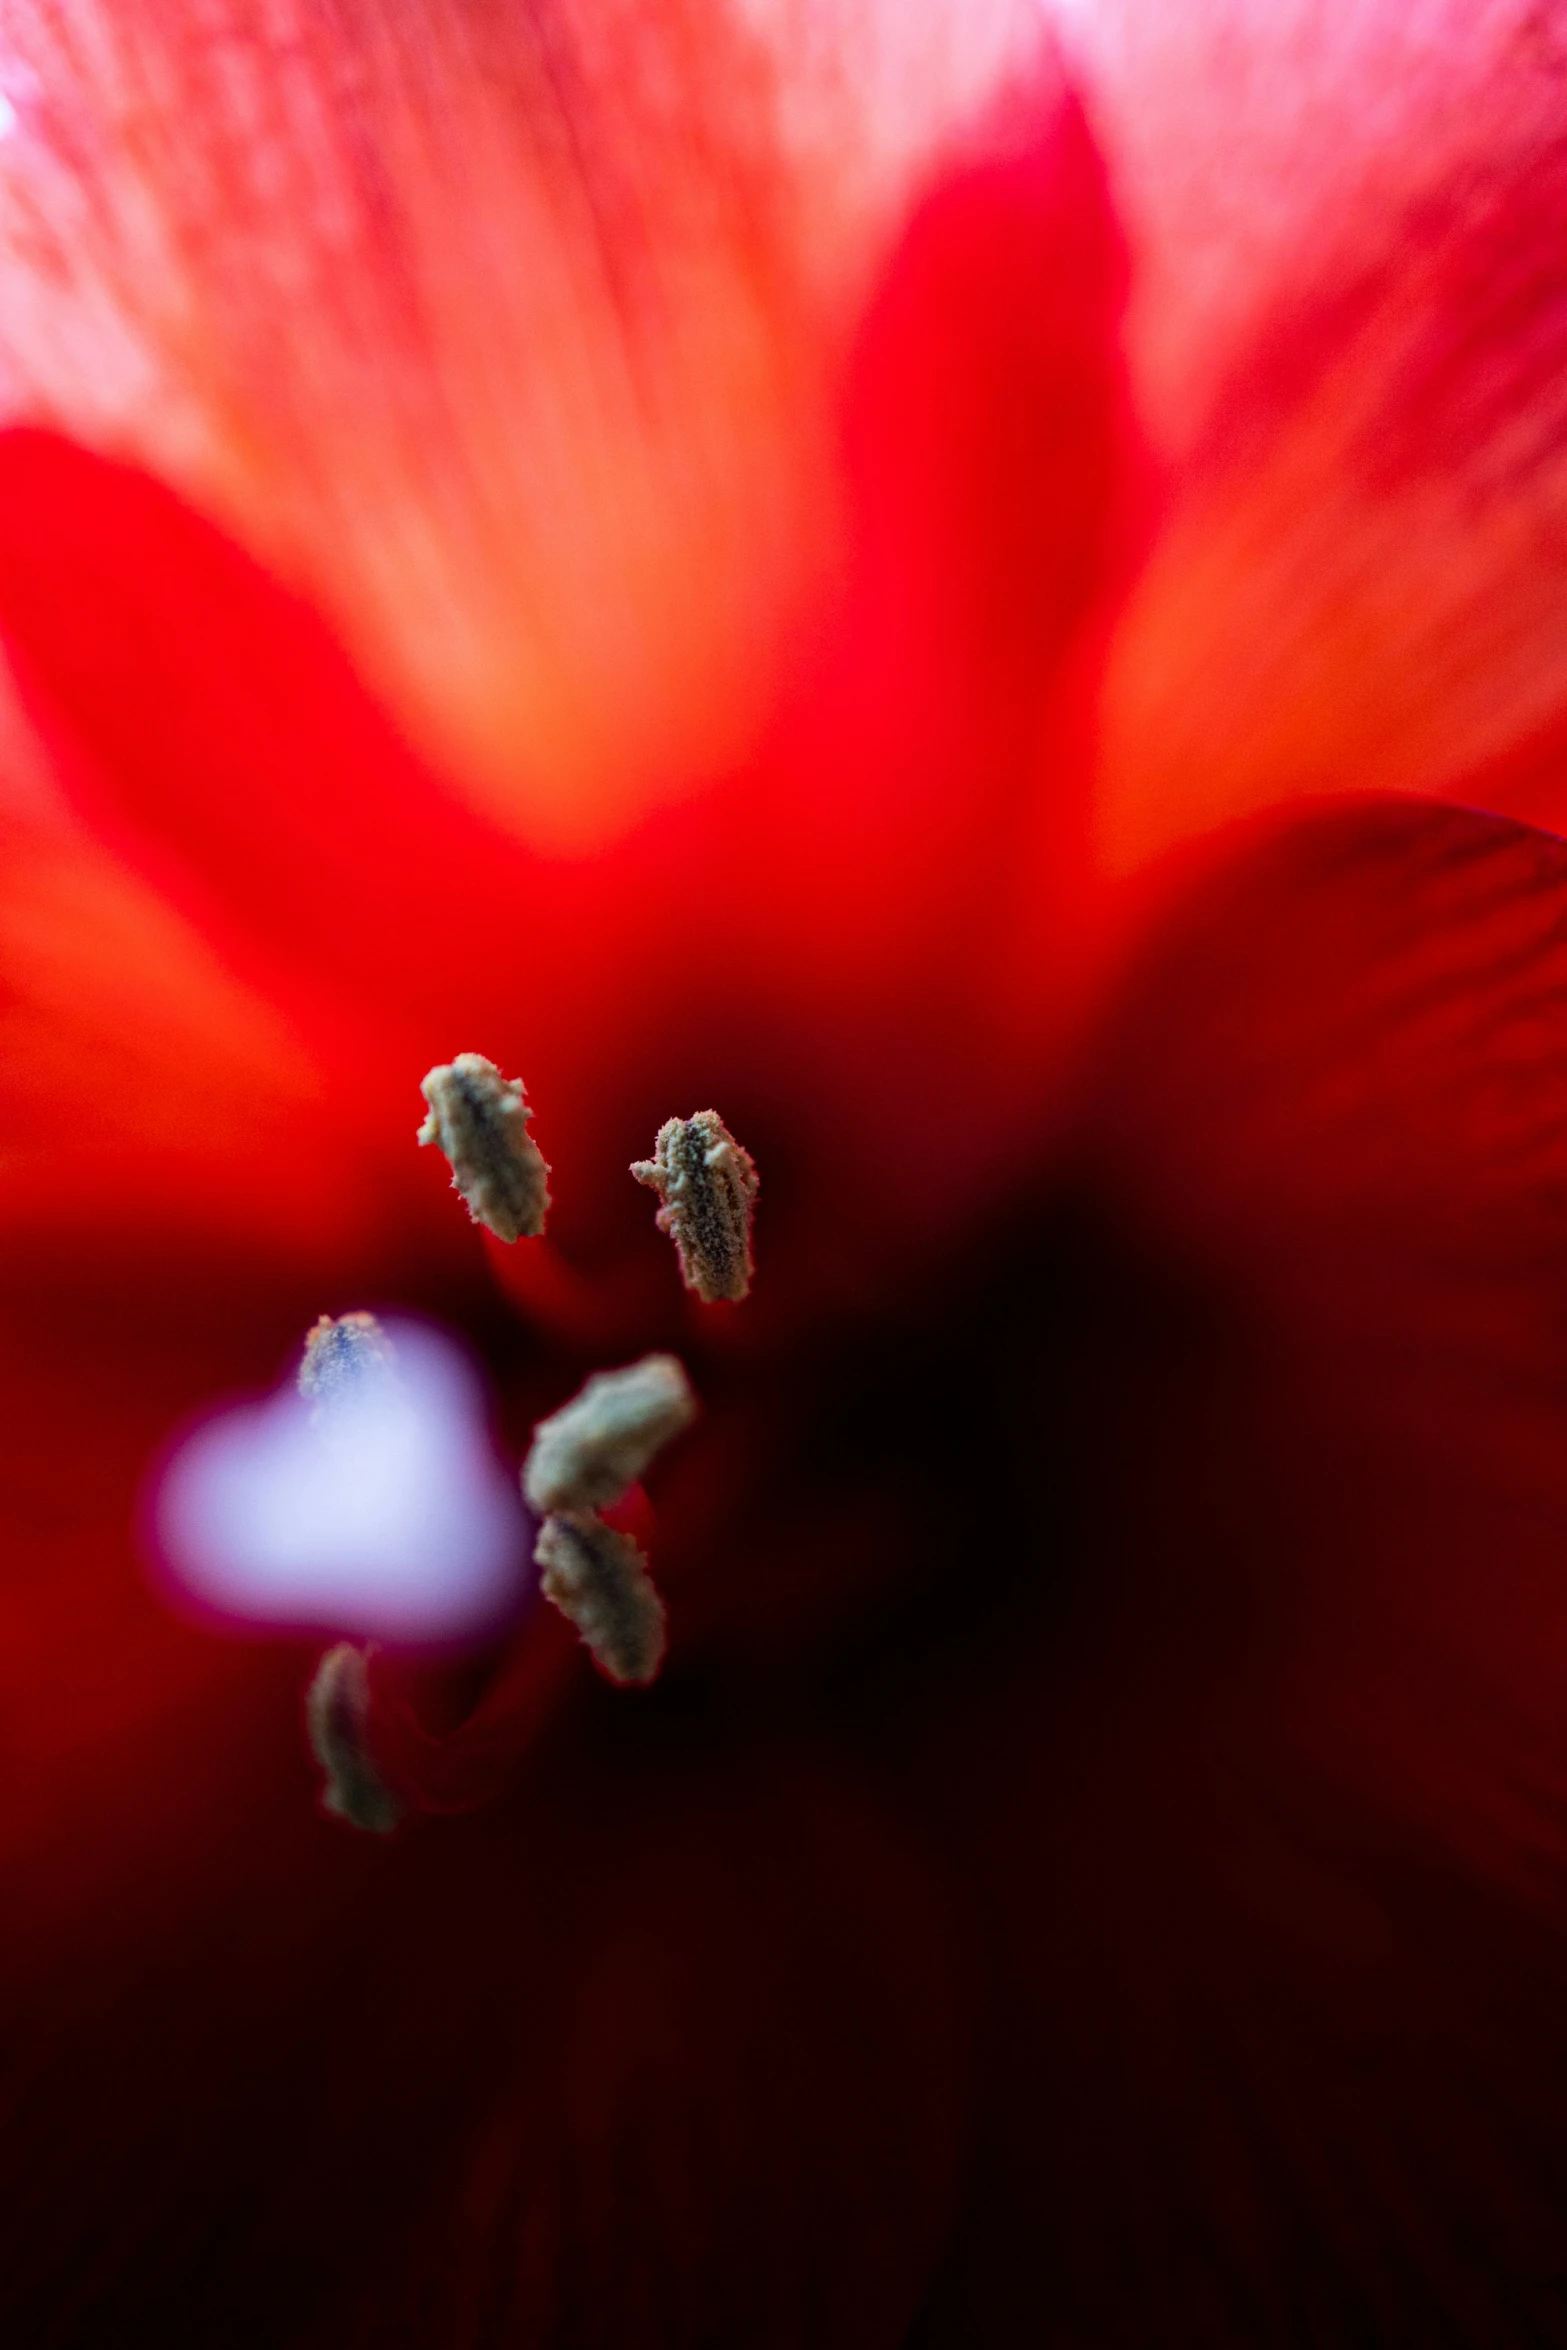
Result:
[[587, 1457]]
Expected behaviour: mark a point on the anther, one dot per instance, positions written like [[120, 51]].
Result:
[[341, 1356], [708, 1185], [598, 1578], [594, 1447], [480, 1120], [337, 1711]]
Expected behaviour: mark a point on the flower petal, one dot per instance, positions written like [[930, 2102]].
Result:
[[1257, 1743], [1343, 1050], [212, 728], [1249, 139], [1358, 581], [486, 326], [939, 737], [733, 2112], [993, 476], [897, 898], [143, 1084]]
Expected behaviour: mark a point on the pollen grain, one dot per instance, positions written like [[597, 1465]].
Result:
[[707, 1184], [480, 1120], [599, 1580], [589, 1452]]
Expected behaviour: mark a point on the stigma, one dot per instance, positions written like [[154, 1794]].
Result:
[[707, 1185], [342, 1357], [337, 1711], [480, 1121]]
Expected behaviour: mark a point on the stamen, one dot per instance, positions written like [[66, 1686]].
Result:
[[340, 1357], [337, 1710], [480, 1120], [708, 1185], [594, 1447], [598, 1578]]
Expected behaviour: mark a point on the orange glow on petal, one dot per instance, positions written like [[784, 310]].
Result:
[[141, 1077], [1293, 638], [506, 333], [1350, 344]]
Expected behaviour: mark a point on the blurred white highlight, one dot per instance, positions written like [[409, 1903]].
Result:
[[395, 1521]]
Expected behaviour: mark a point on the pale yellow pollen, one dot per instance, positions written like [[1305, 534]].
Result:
[[707, 1184], [589, 1452], [599, 1580], [480, 1120]]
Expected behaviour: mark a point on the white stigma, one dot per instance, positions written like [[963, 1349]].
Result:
[[708, 1187], [343, 1360], [368, 1500], [480, 1120]]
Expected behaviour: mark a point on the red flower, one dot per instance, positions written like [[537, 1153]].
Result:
[[1089, 1870]]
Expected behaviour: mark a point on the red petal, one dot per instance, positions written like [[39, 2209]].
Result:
[[142, 1083], [848, 923], [214, 730], [992, 476], [211, 728], [877, 915], [988, 444], [1337, 1068], [1261, 1755], [714, 2074], [506, 332], [1358, 582]]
